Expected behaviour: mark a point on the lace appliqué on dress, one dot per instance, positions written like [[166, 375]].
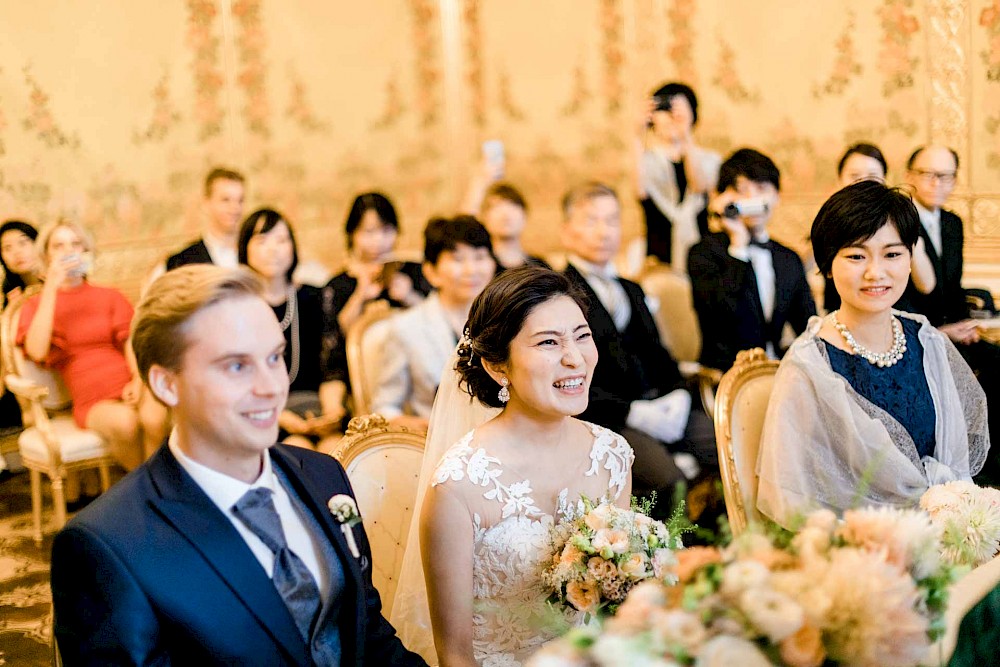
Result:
[[511, 616]]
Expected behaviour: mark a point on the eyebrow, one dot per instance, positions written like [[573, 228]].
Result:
[[864, 247], [230, 356], [552, 332]]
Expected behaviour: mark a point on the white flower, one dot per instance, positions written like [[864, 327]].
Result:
[[617, 651], [726, 650], [679, 628], [743, 574], [344, 509], [775, 614], [636, 566], [823, 519], [615, 540], [663, 562], [811, 542]]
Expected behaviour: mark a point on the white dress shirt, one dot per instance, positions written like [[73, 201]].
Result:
[[763, 267], [223, 254], [225, 491], [931, 220], [604, 281]]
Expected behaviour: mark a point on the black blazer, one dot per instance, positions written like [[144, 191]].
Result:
[[153, 573], [632, 364], [728, 305], [196, 253], [946, 302]]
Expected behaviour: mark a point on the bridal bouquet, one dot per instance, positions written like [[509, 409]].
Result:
[[969, 517], [868, 590], [601, 551]]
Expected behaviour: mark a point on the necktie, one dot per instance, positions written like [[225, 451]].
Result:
[[291, 576]]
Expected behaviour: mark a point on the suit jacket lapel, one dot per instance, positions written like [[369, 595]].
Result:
[[186, 507], [598, 318]]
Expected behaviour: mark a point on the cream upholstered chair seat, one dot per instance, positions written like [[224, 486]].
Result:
[[51, 443], [383, 464], [740, 407], [365, 341], [675, 315]]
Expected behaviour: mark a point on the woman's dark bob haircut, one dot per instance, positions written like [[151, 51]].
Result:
[[369, 201], [497, 316], [868, 150], [262, 221], [855, 214]]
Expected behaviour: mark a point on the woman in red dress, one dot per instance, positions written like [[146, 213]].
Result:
[[82, 330]]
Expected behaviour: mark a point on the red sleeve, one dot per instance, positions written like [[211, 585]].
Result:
[[121, 318], [56, 343]]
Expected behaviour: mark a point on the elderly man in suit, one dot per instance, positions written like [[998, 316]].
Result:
[[637, 389], [223, 548], [745, 285]]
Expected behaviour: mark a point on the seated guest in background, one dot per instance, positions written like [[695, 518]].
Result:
[[372, 274], [19, 258], [221, 549], [224, 191], [82, 330], [745, 285], [458, 262], [871, 405], [637, 389], [674, 175], [314, 349], [864, 162]]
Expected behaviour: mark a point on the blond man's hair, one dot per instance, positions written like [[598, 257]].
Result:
[[46, 234], [584, 193], [158, 328]]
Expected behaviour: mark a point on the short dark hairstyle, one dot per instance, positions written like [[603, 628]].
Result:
[[262, 221], [868, 150], [221, 174], [749, 164], [915, 154], [369, 201], [672, 89], [855, 213], [12, 281], [497, 316], [506, 192], [445, 234]]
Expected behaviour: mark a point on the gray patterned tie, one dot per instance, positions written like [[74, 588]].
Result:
[[291, 576]]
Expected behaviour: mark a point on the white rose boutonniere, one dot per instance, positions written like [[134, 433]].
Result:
[[345, 511]]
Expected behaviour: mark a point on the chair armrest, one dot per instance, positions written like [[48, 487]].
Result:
[[708, 382], [25, 388]]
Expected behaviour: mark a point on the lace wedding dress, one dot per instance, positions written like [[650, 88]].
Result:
[[511, 540]]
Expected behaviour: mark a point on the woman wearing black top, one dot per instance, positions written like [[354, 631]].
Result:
[[372, 229], [314, 351], [18, 257]]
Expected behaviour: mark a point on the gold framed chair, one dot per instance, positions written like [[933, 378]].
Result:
[[383, 464], [741, 404], [51, 443], [364, 342]]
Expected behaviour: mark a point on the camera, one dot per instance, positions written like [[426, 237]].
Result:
[[746, 207], [662, 103]]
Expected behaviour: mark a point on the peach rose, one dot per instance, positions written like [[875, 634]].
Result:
[[692, 559], [636, 566], [570, 554], [598, 568], [804, 648], [583, 595], [599, 518], [615, 540]]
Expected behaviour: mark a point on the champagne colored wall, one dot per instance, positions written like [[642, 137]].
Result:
[[112, 112]]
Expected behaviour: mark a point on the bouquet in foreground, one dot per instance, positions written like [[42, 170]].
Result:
[[601, 551], [969, 518], [868, 590]]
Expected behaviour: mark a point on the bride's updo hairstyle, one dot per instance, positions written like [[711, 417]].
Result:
[[495, 319], [855, 214]]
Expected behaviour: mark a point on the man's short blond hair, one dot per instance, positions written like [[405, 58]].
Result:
[[158, 328], [584, 193]]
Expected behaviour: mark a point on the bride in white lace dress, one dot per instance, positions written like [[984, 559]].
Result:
[[484, 529]]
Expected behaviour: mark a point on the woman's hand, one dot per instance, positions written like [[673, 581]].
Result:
[[400, 288], [292, 423]]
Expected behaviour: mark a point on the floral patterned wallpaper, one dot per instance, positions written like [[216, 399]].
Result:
[[113, 112]]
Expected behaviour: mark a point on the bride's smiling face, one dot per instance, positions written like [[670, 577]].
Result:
[[552, 361]]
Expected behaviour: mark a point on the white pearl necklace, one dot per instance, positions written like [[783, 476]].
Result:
[[880, 359]]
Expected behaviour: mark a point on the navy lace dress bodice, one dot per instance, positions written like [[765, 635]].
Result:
[[900, 390]]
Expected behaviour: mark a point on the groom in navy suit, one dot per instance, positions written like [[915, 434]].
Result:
[[221, 549]]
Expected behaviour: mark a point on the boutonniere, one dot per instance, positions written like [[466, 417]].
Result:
[[345, 511]]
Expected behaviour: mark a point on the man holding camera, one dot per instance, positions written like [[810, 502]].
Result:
[[745, 285]]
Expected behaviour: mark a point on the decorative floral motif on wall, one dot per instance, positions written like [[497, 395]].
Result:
[[299, 110], [989, 20], [728, 79], [895, 60], [679, 52], [845, 66], [613, 55], [39, 119], [393, 108], [579, 95], [425, 46], [474, 62], [505, 98], [165, 115], [252, 77], [208, 79]]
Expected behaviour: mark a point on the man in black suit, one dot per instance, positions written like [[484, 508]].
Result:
[[224, 191], [637, 389], [223, 548], [745, 285]]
